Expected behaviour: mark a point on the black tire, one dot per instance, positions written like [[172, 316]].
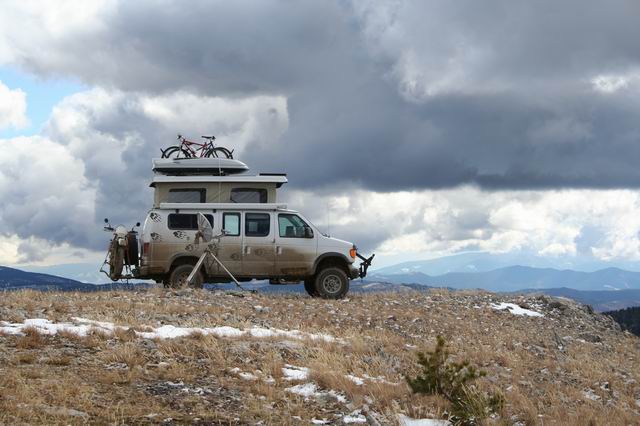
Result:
[[179, 274], [116, 260], [174, 152], [215, 152], [310, 286], [132, 249], [331, 283]]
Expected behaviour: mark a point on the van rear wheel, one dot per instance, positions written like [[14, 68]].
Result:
[[331, 283], [179, 275]]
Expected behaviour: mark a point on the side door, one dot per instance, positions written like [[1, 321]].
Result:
[[230, 246], [296, 246], [258, 256]]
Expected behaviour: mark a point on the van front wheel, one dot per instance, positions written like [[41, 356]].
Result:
[[179, 275], [331, 283]]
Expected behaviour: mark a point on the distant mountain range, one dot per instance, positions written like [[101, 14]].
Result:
[[514, 278], [15, 279], [485, 262]]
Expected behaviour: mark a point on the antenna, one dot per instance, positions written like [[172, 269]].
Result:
[[328, 219]]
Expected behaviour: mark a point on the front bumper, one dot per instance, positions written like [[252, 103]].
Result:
[[361, 272], [354, 272]]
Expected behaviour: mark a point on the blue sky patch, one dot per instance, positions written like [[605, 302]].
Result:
[[42, 95]]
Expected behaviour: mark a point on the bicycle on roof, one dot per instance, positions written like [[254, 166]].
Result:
[[190, 149]]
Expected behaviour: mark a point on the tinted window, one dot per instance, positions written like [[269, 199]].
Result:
[[231, 223], [291, 226], [256, 224], [248, 195], [187, 195], [186, 221]]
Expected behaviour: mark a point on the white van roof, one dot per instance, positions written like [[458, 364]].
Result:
[[224, 206]]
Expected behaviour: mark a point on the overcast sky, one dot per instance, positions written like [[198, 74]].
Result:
[[415, 128]]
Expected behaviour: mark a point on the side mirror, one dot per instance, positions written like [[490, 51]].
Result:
[[308, 232], [106, 220], [224, 232]]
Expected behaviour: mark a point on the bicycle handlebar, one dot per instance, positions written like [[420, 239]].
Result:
[[211, 138]]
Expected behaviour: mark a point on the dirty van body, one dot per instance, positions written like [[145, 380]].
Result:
[[258, 238], [261, 241]]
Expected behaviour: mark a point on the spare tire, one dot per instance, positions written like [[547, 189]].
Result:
[[116, 260]]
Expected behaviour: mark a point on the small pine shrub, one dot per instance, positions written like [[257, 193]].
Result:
[[452, 380]]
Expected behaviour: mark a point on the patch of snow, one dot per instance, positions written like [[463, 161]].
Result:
[[319, 421], [291, 372], [408, 421], [82, 326], [379, 379], [247, 376], [355, 379], [309, 390], [515, 309], [354, 417]]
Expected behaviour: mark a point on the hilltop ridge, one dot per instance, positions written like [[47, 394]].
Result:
[[193, 356]]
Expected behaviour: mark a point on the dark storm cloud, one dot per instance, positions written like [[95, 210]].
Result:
[[419, 95]]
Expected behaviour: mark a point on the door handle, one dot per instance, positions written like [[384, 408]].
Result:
[[278, 250], [247, 250]]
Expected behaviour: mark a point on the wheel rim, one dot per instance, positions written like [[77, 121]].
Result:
[[332, 284], [181, 280]]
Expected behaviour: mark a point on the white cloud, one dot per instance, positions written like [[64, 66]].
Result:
[[612, 83], [13, 108], [434, 223], [44, 192]]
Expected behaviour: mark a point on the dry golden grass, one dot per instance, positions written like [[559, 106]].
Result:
[[32, 339], [122, 378]]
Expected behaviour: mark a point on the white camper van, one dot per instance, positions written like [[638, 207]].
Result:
[[259, 238]]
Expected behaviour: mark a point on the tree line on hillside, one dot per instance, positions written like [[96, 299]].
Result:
[[628, 318]]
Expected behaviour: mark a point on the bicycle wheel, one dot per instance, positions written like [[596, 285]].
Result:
[[175, 152], [219, 152]]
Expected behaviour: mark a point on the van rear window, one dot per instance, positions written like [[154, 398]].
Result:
[[248, 195], [186, 221], [195, 195]]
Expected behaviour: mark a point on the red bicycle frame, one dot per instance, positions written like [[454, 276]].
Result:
[[200, 151]]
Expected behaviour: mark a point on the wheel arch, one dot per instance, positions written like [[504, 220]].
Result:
[[331, 259], [182, 259]]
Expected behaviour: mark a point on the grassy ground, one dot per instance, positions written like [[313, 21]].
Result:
[[569, 367]]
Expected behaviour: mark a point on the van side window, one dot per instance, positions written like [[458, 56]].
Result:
[[190, 195], [248, 195], [257, 224], [291, 226], [186, 222], [231, 223]]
